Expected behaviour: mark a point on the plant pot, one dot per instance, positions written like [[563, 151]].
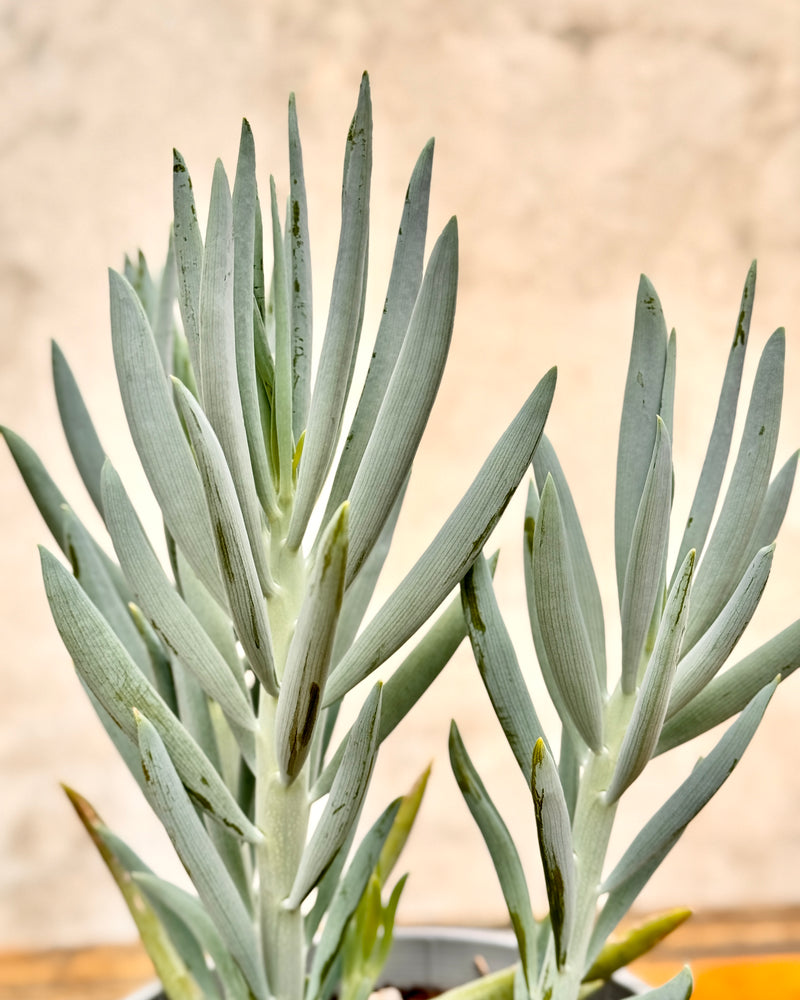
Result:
[[441, 957]]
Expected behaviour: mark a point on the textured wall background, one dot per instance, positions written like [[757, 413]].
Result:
[[579, 143]]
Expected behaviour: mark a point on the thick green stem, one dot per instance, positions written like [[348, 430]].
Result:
[[592, 826], [282, 811]]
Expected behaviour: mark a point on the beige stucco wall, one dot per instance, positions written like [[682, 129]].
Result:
[[579, 143]]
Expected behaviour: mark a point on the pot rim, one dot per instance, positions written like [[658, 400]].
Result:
[[477, 938]]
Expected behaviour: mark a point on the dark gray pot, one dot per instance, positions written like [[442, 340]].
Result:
[[441, 957]]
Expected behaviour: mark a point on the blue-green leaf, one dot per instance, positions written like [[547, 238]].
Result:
[[560, 620], [705, 658], [158, 435], [299, 267], [644, 728], [346, 899], [189, 258], [502, 850], [641, 403], [51, 502], [309, 654], [554, 830], [545, 462], [708, 486], [678, 988], [220, 397], [344, 802], [283, 387], [245, 196], [247, 605], [401, 295], [79, 430], [90, 572], [669, 822], [169, 615], [408, 400], [731, 691], [716, 577], [217, 891], [344, 320], [118, 684], [646, 555], [189, 909], [497, 662], [453, 550]]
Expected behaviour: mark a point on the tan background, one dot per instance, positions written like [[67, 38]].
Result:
[[579, 143]]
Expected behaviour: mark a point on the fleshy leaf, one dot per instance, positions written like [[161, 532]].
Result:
[[554, 830], [705, 658], [51, 502], [119, 685], [347, 898], [646, 555], [189, 909], [170, 616], [709, 775], [644, 728], [497, 662], [678, 988], [453, 550], [567, 726], [248, 608], [716, 576], [245, 195], [773, 511], [502, 850], [344, 319], [411, 679], [299, 266], [188, 257], [79, 430], [166, 958], [638, 941], [344, 802], [563, 630], [158, 435], [89, 571], [309, 655], [283, 387], [731, 691], [401, 295], [407, 403], [218, 893], [220, 397], [640, 407], [545, 462], [708, 486]]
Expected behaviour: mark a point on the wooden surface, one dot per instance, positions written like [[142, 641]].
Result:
[[735, 956]]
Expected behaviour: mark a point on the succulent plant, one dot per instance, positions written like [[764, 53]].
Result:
[[679, 626], [219, 677]]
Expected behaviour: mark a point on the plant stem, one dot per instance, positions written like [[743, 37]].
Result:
[[282, 811], [591, 831]]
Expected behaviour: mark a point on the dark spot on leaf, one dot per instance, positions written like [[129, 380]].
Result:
[[476, 622], [763, 428], [739, 338], [73, 558], [222, 550]]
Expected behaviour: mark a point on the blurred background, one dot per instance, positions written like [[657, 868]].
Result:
[[579, 143]]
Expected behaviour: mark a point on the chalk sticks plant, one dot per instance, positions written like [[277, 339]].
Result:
[[218, 671], [678, 629]]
